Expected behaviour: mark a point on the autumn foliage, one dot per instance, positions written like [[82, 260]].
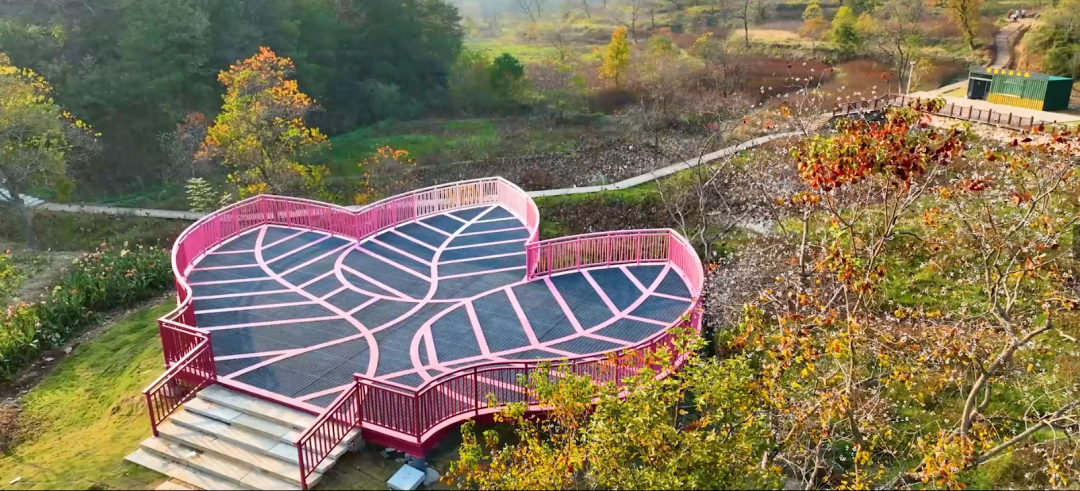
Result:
[[261, 134], [386, 173]]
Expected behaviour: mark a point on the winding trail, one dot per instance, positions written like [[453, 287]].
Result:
[[624, 184]]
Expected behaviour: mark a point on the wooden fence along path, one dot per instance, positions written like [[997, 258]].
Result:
[[1001, 119]]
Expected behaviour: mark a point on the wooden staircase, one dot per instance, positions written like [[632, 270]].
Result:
[[222, 439]]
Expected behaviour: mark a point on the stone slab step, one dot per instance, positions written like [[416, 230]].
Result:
[[297, 420], [172, 485], [253, 441], [255, 424], [208, 463], [203, 442], [179, 472]]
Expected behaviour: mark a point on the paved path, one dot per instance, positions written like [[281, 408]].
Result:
[[624, 184], [115, 210], [1040, 116], [1006, 38], [666, 171]]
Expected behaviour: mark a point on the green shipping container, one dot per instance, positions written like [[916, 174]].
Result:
[[1031, 90]]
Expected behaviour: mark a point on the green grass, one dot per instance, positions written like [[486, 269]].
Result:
[[82, 232], [444, 142], [534, 53], [82, 419], [423, 141], [15, 269], [162, 197]]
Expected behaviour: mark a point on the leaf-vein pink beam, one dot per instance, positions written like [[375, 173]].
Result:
[[270, 323], [395, 264], [399, 251], [375, 282], [241, 294], [477, 273], [481, 258], [432, 227], [412, 239], [314, 259], [492, 231], [562, 304], [218, 268], [481, 340], [255, 307], [600, 291], [298, 249], [225, 282], [485, 244]]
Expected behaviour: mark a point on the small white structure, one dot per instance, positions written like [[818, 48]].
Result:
[[407, 478]]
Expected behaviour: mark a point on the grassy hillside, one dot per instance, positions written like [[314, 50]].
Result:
[[77, 425]]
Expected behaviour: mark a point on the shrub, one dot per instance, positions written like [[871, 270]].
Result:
[[19, 342], [103, 280]]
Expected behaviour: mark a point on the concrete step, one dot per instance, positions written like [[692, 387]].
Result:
[[297, 420], [207, 463], [203, 442], [255, 424], [179, 472], [255, 442], [172, 485]]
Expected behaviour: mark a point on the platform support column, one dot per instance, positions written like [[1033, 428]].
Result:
[[418, 463]]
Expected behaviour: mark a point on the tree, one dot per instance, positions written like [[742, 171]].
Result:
[[696, 429], [896, 31], [966, 14], [181, 146], [528, 6], [386, 173], [37, 141], [814, 25], [260, 133], [1058, 35], [136, 68], [616, 56], [745, 11], [558, 40], [633, 9], [507, 76], [845, 32]]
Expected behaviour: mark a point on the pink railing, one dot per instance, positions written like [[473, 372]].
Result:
[[332, 426], [187, 350], [407, 415], [605, 248], [412, 416], [187, 374]]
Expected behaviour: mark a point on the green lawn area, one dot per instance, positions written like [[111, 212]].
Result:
[[161, 197], [82, 419], [422, 140], [82, 232]]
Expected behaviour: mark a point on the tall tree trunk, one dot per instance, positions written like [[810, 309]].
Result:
[[746, 31]]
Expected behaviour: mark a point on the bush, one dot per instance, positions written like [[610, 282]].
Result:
[[98, 282], [19, 342]]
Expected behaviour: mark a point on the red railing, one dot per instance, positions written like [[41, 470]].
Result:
[[950, 110], [187, 350], [605, 248], [320, 439], [412, 416], [408, 415], [186, 375]]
